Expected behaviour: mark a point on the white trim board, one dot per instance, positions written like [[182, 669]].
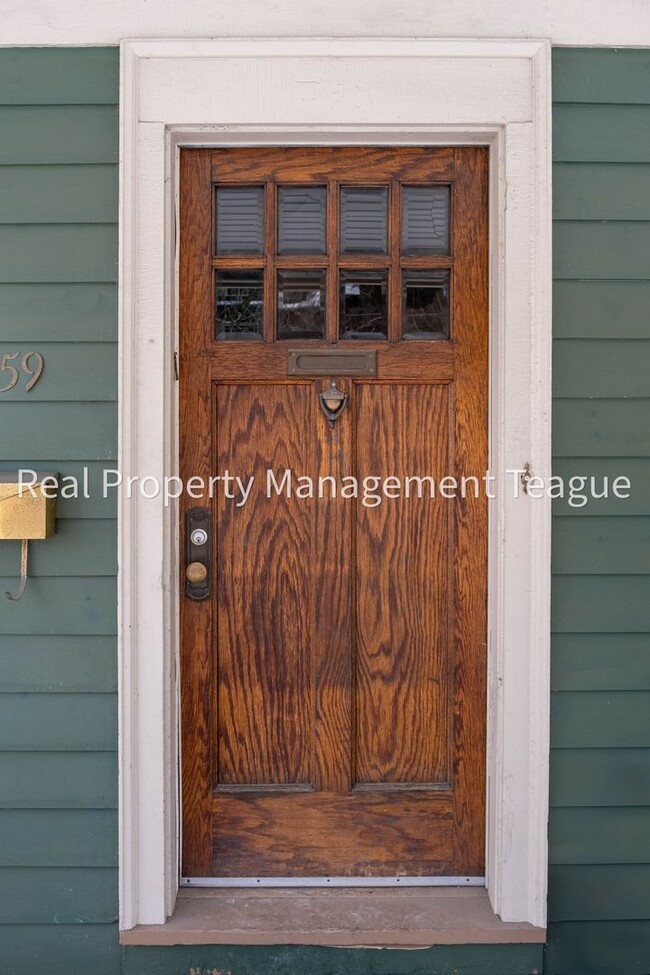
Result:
[[337, 93], [579, 23]]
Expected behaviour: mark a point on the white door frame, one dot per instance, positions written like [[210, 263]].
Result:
[[416, 92]]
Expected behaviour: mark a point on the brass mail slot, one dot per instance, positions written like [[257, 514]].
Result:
[[26, 511], [332, 362]]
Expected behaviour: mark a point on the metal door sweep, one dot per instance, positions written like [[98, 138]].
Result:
[[332, 881]]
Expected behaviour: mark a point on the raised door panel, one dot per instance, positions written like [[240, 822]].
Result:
[[265, 587], [404, 548]]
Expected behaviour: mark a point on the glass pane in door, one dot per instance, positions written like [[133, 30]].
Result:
[[425, 304], [362, 305], [301, 219], [240, 220], [301, 304], [425, 220], [364, 219]]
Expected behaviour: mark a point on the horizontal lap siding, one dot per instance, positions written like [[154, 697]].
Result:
[[58, 771], [514, 959], [599, 874], [58, 668]]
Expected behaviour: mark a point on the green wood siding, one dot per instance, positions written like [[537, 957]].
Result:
[[59, 312], [80, 547], [600, 661], [71, 432], [58, 194], [67, 664], [47, 76], [294, 960], [60, 949], [58, 722], [58, 780], [597, 250], [93, 365], [61, 837], [601, 133], [586, 191], [64, 605], [597, 546], [598, 948], [601, 370], [59, 134], [637, 469], [58, 252], [606, 77], [601, 604], [602, 892], [58, 768], [599, 830], [600, 428], [600, 719], [619, 835], [58, 709], [587, 777], [601, 309], [59, 895]]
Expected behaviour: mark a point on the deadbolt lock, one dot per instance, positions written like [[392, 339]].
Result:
[[199, 536], [198, 553]]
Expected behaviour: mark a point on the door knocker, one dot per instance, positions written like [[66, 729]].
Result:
[[332, 401]]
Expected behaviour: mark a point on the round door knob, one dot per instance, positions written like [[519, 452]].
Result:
[[196, 572]]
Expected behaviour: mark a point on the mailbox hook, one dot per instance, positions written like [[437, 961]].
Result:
[[24, 549]]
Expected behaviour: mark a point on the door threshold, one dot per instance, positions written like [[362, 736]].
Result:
[[415, 917], [332, 881]]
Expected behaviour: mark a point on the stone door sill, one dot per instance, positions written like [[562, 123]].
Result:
[[350, 917]]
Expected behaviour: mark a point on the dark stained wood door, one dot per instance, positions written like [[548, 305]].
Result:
[[333, 685]]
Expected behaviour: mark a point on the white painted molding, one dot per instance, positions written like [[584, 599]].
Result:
[[579, 23], [347, 91]]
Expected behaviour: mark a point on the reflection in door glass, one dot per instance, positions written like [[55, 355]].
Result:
[[239, 305], [301, 219], [425, 220], [240, 220], [362, 300], [301, 304], [425, 304]]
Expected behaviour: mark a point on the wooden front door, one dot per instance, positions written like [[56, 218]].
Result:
[[334, 660]]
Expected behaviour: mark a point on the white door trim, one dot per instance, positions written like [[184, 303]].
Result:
[[250, 92]]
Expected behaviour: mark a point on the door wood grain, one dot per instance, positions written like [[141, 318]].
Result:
[[333, 688]]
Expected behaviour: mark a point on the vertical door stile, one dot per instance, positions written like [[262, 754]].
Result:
[[197, 660], [332, 664], [470, 553]]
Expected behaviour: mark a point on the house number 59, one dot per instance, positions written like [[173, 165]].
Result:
[[31, 364]]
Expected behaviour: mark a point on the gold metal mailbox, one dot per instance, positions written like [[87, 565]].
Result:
[[26, 512]]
